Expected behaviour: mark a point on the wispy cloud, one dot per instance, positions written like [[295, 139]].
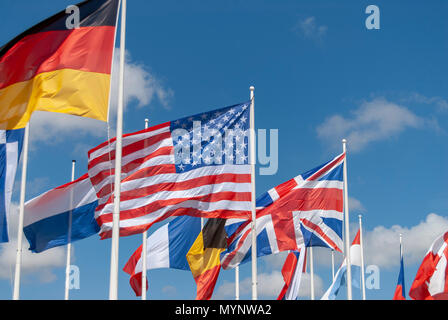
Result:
[[440, 103], [373, 121], [39, 266], [309, 29], [355, 205]]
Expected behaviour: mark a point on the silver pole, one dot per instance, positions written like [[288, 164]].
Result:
[[346, 226], [16, 292], [253, 194], [113, 285], [363, 284], [69, 242]]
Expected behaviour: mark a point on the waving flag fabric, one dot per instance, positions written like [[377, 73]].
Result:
[[10, 149], [195, 166], [204, 257], [62, 215], [431, 281], [400, 292], [341, 274], [306, 210], [58, 66], [292, 274], [167, 247]]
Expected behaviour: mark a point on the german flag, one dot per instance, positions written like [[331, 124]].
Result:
[[204, 257], [58, 66]]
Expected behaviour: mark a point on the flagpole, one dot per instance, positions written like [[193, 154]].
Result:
[[253, 204], [401, 248], [312, 272], [144, 253], [346, 226], [113, 285], [332, 264], [363, 281], [69, 240], [16, 292], [237, 283]]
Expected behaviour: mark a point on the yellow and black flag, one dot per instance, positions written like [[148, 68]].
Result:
[[62, 64], [204, 257]]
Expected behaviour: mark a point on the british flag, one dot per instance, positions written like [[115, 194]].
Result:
[[196, 166], [306, 210]]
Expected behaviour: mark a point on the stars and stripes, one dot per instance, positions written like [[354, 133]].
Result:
[[306, 210], [195, 166]]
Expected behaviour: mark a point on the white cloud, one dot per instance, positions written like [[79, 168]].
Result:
[[382, 244], [440, 103], [355, 205], [141, 86], [374, 120], [308, 28], [269, 286], [169, 291], [40, 266]]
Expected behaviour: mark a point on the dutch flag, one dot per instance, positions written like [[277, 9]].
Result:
[[62, 215]]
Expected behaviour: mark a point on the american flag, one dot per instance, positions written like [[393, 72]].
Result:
[[306, 210], [195, 166]]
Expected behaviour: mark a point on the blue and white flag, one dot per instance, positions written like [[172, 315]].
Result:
[[341, 274], [10, 149], [62, 215], [167, 247]]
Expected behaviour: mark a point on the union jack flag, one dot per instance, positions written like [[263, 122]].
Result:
[[306, 210], [196, 166]]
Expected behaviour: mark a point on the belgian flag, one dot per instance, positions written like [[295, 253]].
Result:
[[204, 257], [60, 65]]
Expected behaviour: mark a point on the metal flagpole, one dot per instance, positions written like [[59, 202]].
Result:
[[113, 285], [69, 240], [312, 272], [253, 205], [144, 253], [16, 292], [346, 226], [363, 281], [332, 264], [237, 283]]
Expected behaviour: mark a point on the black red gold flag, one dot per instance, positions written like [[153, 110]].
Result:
[[60, 66]]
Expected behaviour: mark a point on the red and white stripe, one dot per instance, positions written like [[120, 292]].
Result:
[[151, 190], [431, 281]]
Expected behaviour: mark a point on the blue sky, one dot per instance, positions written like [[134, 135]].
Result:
[[319, 76]]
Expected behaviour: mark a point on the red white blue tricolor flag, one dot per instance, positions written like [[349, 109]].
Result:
[[61, 215], [400, 293], [196, 166], [306, 210], [292, 274]]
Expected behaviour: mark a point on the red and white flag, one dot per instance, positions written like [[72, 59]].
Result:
[[196, 166], [431, 281]]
